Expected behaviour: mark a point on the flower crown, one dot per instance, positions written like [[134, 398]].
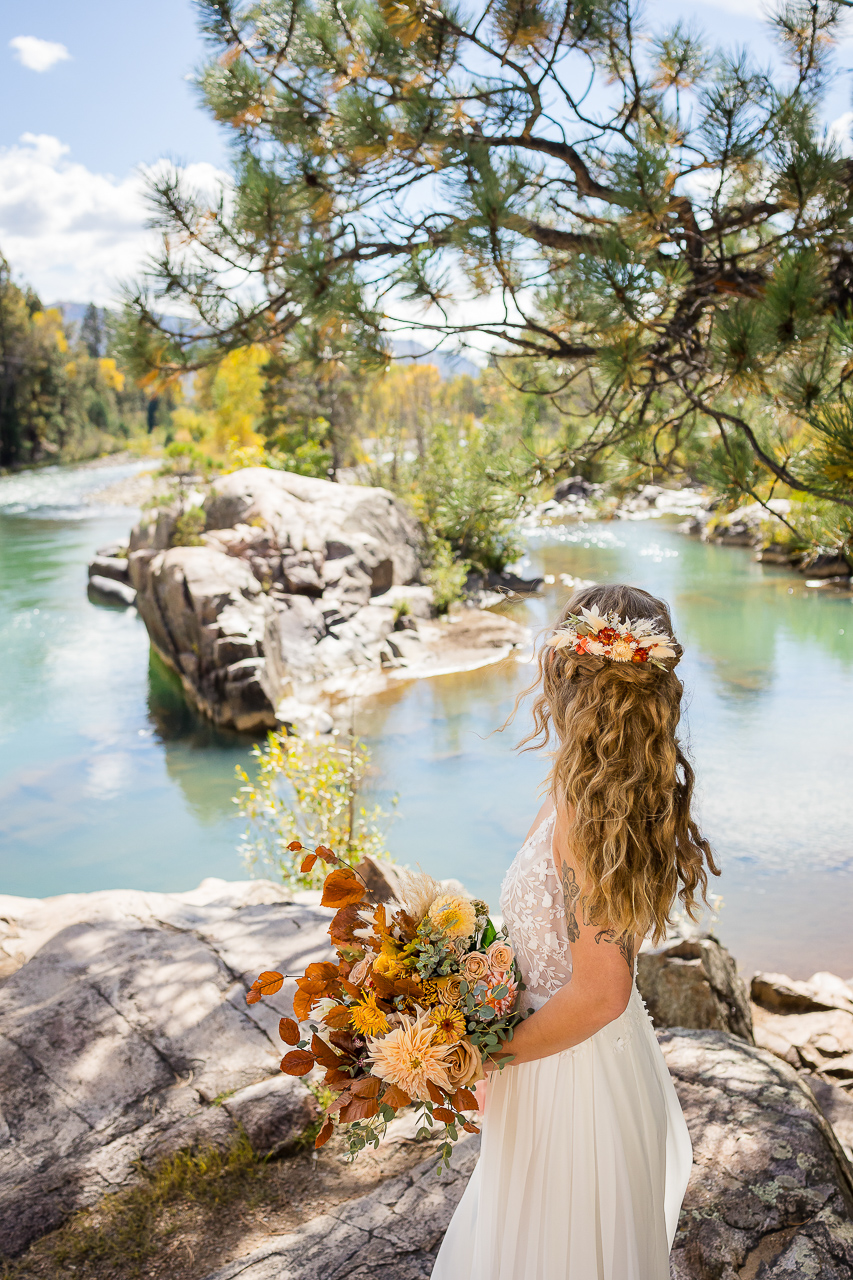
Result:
[[606, 636]]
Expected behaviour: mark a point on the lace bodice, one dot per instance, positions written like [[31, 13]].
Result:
[[532, 906]]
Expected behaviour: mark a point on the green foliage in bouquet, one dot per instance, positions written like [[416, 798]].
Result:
[[308, 790]]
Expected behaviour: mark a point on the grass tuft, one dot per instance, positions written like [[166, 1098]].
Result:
[[129, 1227]]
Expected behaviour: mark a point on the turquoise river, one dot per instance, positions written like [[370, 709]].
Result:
[[108, 780]]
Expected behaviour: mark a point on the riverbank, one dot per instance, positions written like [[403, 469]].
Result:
[[125, 1037]]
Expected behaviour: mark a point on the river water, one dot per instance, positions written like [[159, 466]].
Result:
[[108, 780]]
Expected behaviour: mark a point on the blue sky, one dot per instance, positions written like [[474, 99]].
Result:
[[115, 97]]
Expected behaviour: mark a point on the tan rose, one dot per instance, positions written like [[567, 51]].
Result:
[[449, 991], [474, 967], [500, 957], [463, 1065], [360, 970]]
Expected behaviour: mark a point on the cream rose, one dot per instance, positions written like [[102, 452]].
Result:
[[360, 970], [463, 1065], [500, 957]]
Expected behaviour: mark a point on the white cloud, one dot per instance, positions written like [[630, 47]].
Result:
[[71, 233], [839, 132], [38, 55]]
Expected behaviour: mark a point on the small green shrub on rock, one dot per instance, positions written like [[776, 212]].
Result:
[[308, 789]]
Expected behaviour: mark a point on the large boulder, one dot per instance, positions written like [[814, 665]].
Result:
[[204, 611], [300, 590], [125, 1035], [694, 982], [771, 1194]]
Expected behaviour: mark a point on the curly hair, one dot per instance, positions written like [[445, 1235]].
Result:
[[619, 766]]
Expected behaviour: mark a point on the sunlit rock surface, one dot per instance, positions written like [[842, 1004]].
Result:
[[125, 1033]]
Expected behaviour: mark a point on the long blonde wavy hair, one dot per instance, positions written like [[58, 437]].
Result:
[[619, 765]]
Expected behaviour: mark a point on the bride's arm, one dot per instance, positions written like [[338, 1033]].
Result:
[[600, 987]]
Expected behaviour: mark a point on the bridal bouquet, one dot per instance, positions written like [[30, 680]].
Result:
[[424, 989]]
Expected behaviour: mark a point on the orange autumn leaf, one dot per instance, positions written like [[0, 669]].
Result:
[[395, 1097], [289, 1031], [367, 1087], [303, 1003], [266, 985], [297, 1063], [465, 1100], [442, 1113], [324, 1053], [325, 1134], [338, 1017], [336, 1078], [359, 1109], [343, 924], [434, 1092], [325, 853], [341, 888], [295, 846], [308, 862], [469, 1127]]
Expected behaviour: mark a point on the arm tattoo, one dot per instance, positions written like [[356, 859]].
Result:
[[625, 943], [571, 893]]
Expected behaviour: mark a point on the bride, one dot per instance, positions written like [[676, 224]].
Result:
[[585, 1154]]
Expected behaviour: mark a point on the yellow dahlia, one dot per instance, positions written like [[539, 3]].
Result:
[[409, 1058], [367, 1018], [431, 991], [449, 1022], [455, 916]]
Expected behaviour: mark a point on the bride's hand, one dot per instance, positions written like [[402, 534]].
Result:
[[480, 1094]]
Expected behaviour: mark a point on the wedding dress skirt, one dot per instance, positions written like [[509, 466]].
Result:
[[585, 1155]]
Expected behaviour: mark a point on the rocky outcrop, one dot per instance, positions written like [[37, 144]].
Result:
[[297, 589], [694, 982], [809, 1024], [771, 1194], [125, 1035]]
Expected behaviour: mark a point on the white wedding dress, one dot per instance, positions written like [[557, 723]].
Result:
[[585, 1155]]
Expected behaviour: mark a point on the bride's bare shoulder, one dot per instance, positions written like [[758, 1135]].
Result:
[[544, 810]]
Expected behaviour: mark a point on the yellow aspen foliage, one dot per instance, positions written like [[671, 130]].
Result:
[[111, 374]]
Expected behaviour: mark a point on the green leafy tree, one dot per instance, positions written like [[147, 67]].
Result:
[[658, 230]]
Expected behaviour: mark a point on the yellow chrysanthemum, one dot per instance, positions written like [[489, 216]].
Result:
[[455, 916], [449, 1022], [431, 991], [367, 1018]]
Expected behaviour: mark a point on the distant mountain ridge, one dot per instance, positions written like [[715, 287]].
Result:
[[448, 363]]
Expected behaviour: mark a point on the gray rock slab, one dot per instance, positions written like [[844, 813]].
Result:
[[771, 1194], [125, 1034], [393, 1233], [769, 1197]]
